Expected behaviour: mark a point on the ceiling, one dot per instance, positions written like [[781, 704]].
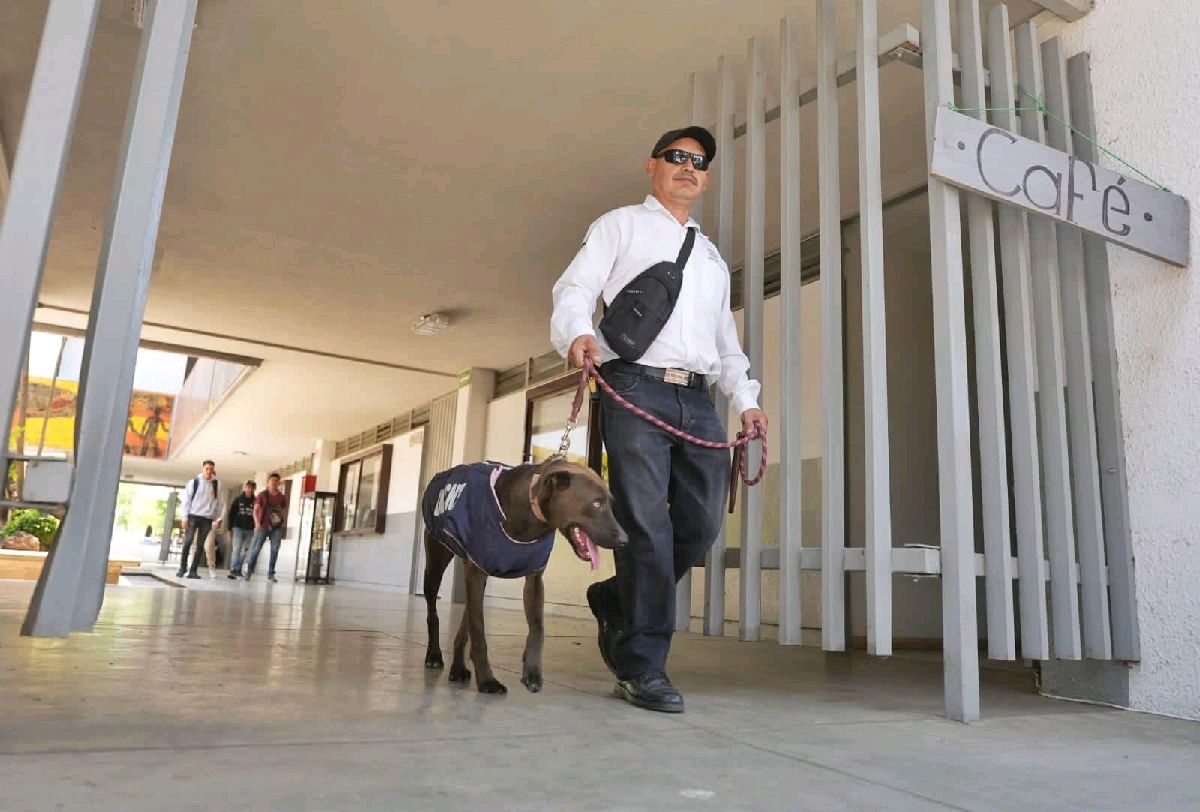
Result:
[[342, 168]]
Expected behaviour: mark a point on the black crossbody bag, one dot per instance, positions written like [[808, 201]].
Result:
[[639, 312]]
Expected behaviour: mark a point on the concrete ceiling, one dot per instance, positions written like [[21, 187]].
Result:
[[342, 168]]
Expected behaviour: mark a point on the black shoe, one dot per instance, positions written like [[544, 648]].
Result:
[[652, 691], [181, 573], [605, 631], [272, 579], [193, 575], [233, 576]]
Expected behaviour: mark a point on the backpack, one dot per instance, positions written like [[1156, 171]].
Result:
[[640, 311], [196, 486]]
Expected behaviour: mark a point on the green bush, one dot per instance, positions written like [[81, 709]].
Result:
[[41, 525]]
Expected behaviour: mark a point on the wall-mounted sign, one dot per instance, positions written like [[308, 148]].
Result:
[[1011, 169]]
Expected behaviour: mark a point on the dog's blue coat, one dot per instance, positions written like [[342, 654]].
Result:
[[462, 512]]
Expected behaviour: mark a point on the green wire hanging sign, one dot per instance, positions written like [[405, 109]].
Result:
[[1004, 166]]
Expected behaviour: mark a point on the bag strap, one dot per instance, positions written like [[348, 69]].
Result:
[[685, 251]]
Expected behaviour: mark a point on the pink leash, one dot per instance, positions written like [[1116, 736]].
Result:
[[738, 445]]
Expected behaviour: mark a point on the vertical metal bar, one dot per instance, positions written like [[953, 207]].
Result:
[[960, 636], [750, 614], [1018, 336], [714, 571], [791, 393], [833, 451], [1114, 489], [62, 348], [878, 501], [699, 115], [1081, 419], [989, 387], [1052, 418], [33, 187], [71, 588]]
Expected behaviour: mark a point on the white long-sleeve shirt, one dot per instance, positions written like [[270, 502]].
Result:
[[202, 501], [700, 336]]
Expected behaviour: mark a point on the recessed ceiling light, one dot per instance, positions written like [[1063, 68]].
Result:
[[431, 323]]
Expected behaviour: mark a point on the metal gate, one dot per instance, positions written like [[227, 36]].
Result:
[[1061, 516]]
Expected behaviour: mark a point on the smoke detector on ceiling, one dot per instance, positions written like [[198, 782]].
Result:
[[431, 323]]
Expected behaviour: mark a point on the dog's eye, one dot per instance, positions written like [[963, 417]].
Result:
[[598, 504]]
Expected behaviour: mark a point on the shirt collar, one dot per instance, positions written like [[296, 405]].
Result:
[[654, 204]]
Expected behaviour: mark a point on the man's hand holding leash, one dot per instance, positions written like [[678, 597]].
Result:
[[586, 345]]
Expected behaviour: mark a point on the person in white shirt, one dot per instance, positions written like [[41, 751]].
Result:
[[203, 508], [667, 494]]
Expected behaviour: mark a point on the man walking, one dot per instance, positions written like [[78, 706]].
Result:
[[667, 494], [270, 517], [203, 507], [241, 527]]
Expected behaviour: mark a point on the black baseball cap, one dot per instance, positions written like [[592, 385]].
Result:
[[698, 133]]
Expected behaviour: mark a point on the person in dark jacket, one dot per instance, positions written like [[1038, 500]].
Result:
[[241, 525]]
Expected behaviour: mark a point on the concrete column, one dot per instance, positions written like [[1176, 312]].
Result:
[[470, 424], [37, 172], [71, 588], [164, 551], [323, 458], [476, 387]]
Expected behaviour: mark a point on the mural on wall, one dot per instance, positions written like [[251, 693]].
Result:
[[50, 401], [147, 429]]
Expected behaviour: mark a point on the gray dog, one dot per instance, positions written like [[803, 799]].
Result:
[[502, 521]]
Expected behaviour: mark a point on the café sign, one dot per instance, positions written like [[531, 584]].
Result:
[[1006, 167]]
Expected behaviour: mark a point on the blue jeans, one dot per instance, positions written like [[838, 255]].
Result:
[[239, 548], [275, 534], [668, 494]]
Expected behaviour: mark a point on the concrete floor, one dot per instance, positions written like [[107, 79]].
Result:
[[227, 695]]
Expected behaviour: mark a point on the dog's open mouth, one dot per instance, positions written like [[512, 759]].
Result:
[[583, 546]]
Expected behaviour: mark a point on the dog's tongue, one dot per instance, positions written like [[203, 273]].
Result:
[[593, 553]]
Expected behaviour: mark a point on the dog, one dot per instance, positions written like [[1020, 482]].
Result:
[[502, 521]]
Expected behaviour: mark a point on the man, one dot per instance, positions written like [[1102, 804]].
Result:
[[203, 507], [270, 517], [241, 526], [668, 494]]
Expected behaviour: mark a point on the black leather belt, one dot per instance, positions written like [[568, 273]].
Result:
[[678, 377]]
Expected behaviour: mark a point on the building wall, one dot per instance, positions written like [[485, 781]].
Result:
[[1145, 100], [386, 560]]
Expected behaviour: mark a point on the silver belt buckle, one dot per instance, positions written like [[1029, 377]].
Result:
[[680, 377]]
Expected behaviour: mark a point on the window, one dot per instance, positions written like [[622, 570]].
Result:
[[362, 493], [548, 408]]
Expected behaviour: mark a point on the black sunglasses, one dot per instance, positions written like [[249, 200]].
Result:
[[679, 156]]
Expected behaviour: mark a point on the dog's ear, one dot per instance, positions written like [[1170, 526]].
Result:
[[556, 481]]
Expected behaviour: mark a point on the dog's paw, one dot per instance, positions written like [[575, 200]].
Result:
[[459, 673], [434, 660], [532, 680], [492, 687]]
